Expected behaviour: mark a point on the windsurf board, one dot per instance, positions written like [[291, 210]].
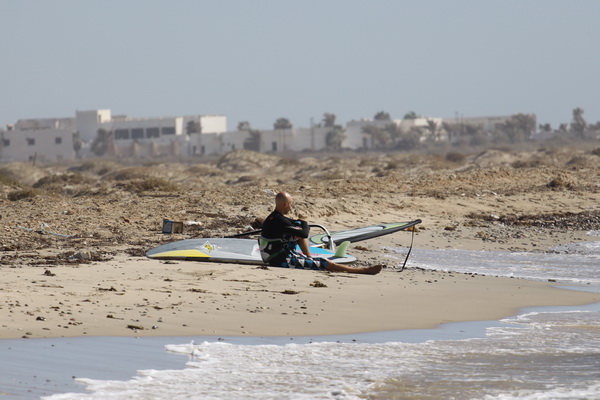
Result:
[[226, 250]]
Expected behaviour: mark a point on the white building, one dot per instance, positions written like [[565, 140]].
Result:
[[487, 124], [87, 123], [264, 141], [147, 137], [293, 140], [356, 138], [55, 139], [40, 144], [458, 127]]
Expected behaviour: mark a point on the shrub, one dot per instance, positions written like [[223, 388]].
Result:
[[526, 164], [577, 161], [8, 181], [22, 194], [455, 157], [559, 183], [150, 184], [60, 180], [130, 174]]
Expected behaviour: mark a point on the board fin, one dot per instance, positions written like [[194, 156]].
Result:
[[341, 250]]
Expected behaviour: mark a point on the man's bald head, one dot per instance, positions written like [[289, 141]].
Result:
[[283, 202], [283, 197]]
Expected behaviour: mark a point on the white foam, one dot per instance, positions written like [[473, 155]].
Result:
[[585, 248], [591, 392], [310, 371]]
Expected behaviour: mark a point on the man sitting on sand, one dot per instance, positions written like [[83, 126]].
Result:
[[280, 235]]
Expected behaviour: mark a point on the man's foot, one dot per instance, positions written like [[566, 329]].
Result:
[[372, 270]]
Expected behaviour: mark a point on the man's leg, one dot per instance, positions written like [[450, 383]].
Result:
[[335, 267], [372, 270], [303, 244]]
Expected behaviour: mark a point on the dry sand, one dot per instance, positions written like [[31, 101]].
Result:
[[96, 281]]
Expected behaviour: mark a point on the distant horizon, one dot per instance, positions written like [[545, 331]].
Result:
[[258, 62]]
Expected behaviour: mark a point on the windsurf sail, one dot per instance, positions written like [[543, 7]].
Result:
[[359, 234]]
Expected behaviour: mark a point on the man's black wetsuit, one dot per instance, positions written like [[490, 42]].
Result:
[[278, 243]]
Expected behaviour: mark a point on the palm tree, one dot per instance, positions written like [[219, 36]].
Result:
[[432, 128], [579, 124], [101, 142], [77, 143], [243, 126], [379, 137], [382, 116], [526, 123], [394, 131], [519, 127], [329, 120], [282, 123], [193, 127], [335, 137], [409, 140], [254, 140]]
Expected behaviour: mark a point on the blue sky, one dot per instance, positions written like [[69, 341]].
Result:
[[261, 60]]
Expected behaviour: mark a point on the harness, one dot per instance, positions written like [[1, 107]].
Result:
[[271, 249]]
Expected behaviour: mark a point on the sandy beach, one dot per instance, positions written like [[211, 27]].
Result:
[[83, 272]]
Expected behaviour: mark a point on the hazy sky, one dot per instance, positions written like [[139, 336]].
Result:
[[261, 60]]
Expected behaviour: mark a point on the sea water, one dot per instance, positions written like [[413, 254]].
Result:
[[543, 353], [576, 263]]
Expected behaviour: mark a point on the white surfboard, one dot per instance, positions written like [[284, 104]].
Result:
[[226, 250]]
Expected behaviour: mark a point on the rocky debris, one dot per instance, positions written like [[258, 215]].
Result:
[[586, 220]]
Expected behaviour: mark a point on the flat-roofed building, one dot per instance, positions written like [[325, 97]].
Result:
[[41, 144]]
